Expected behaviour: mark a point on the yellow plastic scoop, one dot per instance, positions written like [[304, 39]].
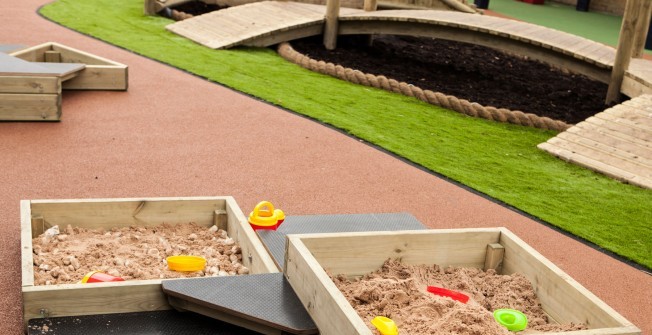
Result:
[[385, 325], [186, 263]]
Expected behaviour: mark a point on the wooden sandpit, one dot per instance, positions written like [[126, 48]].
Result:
[[311, 258], [132, 218]]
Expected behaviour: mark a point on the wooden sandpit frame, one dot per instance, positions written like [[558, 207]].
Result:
[[100, 73], [132, 295], [310, 256]]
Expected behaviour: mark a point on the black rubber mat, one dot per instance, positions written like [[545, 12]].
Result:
[[338, 223], [266, 299], [143, 323]]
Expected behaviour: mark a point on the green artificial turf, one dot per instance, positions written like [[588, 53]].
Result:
[[500, 160]]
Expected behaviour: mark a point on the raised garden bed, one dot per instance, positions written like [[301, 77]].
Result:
[[311, 258], [132, 295]]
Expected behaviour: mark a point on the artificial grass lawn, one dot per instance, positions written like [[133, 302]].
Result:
[[500, 160]]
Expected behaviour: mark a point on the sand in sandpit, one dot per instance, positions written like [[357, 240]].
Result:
[[133, 253], [398, 291]]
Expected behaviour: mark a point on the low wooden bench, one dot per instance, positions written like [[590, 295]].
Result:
[[31, 80]]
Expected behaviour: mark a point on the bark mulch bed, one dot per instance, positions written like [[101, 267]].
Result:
[[475, 73]]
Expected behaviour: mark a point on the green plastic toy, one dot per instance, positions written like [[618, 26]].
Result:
[[511, 319]]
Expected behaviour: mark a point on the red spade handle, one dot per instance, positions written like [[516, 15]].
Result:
[[463, 298]]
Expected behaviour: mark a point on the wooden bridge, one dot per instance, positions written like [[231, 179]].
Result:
[[267, 23]]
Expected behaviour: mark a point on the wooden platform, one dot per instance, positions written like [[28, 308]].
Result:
[[616, 142]]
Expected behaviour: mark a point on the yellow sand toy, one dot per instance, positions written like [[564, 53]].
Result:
[[385, 326], [265, 216], [186, 263]]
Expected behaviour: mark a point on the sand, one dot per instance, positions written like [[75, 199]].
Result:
[[398, 291], [64, 257]]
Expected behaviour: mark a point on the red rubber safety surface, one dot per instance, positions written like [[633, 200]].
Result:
[[173, 134]]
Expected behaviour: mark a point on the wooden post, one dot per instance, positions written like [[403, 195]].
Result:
[[494, 257], [330, 26], [220, 219], [625, 47], [641, 29], [52, 56], [370, 5]]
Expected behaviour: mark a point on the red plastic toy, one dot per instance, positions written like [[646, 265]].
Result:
[[461, 297]]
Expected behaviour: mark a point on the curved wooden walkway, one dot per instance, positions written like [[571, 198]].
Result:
[[271, 22]]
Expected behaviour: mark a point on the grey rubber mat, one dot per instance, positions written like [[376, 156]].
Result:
[[266, 299], [274, 241], [7, 48], [144, 323]]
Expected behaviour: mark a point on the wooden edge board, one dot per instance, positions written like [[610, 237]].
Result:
[[89, 299], [28, 84], [607, 138], [254, 254], [567, 300], [30, 107], [306, 276], [27, 256], [612, 148], [597, 166]]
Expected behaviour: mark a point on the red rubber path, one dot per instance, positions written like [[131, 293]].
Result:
[[173, 134]]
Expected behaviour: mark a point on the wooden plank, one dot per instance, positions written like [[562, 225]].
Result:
[[563, 298], [633, 87], [618, 143], [52, 56], [27, 257], [623, 131], [108, 213], [605, 156], [620, 116], [33, 54], [327, 306], [221, 219], [29, 84], [613, 148], [358, 253], [254, 255], [26, 107], [80, 299], [597, 166], [71, 55], [100, 77], [494, 258]]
